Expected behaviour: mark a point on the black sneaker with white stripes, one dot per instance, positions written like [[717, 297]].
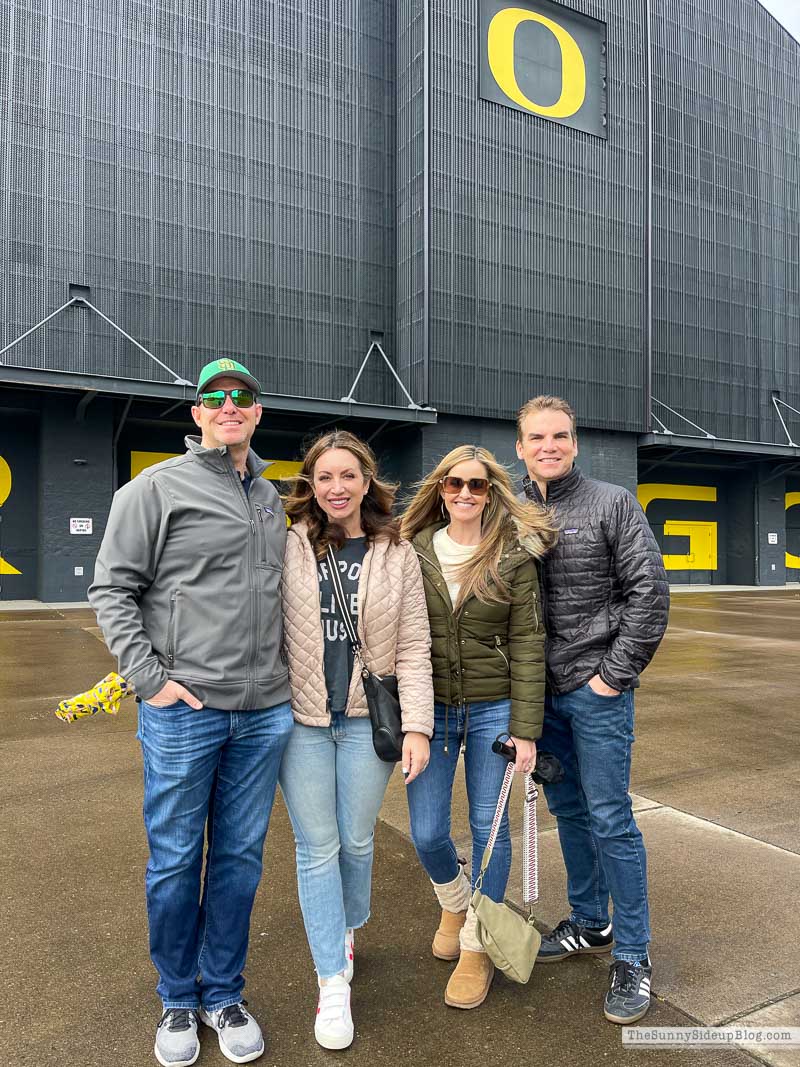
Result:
[[571, 939], [628, 996]]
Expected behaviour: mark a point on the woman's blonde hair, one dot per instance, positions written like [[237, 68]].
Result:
[[376, 507], [504, 519]]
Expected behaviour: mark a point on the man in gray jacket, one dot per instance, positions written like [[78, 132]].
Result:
[[187, 594], [606, 605]]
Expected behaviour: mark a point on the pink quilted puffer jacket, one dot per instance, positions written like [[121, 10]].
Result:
[[392, 624]]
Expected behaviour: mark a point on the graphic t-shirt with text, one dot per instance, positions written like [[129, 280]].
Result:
[[338, 653]]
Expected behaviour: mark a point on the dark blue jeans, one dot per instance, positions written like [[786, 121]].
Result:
[[206, 767], [602, 846], [431, 795]]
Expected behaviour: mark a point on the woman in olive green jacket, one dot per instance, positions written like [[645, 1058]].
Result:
[[477, 546]]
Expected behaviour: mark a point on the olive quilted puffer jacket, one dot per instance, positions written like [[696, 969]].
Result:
[[488, 651]]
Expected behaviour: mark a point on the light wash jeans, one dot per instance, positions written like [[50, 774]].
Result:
[[333, 785], [430, 796], [602, 846], [213, 773]]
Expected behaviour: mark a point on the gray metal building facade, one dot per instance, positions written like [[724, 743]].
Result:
[[290, 182]]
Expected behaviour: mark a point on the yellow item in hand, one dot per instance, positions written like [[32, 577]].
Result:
[[105, 696]]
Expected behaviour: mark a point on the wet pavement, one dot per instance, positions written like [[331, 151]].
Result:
[[716, 779]]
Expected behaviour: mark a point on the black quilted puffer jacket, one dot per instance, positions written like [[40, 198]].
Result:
[[606, 595]]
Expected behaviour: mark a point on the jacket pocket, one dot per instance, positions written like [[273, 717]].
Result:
[[497, 645], [172, 626], [271, 537]]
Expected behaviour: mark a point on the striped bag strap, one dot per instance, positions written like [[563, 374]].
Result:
[[530, 850], [530, 844]]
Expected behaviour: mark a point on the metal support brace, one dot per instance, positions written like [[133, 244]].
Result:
[[678, 415], [660, 423], [79, 301], [349, 398], [775, 402], [83, 403]]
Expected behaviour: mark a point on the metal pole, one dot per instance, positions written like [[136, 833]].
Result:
[[411, 402], [347, 399], [427, 111], [689, 421], [660, 423], [775, 403], [38, 326], [649, 222], [133, 341], [115, 443]]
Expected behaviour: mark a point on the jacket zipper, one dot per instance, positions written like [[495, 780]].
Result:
[[502, 653], [173, 606], [439, 571], [535, 614], [449, 605], [263, 547], [254, 605]]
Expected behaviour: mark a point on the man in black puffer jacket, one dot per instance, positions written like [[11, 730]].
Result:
[[606, 602]]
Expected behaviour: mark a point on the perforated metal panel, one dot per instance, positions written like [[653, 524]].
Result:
[[536, 231], [727, 216], [221, 174]]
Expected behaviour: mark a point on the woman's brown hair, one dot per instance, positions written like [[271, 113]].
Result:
[[505, 518], [376, 507]]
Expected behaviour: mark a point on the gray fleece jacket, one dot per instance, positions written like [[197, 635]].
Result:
[[187, 583]]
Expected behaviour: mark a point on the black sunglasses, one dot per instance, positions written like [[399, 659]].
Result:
[[242, 398]]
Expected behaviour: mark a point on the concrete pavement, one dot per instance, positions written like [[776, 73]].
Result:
[[717, 782]]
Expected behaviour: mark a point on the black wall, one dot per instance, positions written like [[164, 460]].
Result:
[[727, 216], [19, 508], [285, 182], [75, 481], [793, 528], [220, 173], [528, 258]]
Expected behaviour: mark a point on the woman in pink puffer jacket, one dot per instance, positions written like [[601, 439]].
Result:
[[331, 779]]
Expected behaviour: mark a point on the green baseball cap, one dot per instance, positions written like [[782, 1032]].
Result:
[[226, 368]]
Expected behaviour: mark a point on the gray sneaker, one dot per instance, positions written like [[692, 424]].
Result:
[[240, 1037], [176, 1038]]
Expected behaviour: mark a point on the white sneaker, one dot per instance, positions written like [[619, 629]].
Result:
[[177, 1044], [349, 953], [334, 1025]]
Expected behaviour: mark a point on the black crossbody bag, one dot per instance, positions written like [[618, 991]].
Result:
[[381, 692]]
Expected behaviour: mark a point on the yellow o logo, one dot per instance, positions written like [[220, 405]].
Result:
[[792, 501], [502, 31], [5, 490], [5, 481]]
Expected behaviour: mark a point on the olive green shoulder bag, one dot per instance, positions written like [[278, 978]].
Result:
[[510, 940]]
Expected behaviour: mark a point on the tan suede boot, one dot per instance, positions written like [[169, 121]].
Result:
[[446, 944], [454, 898], [470, 981]]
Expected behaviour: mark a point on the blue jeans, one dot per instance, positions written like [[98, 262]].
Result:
[[602, 846], [333, 785], [430, 796], [211, 772]]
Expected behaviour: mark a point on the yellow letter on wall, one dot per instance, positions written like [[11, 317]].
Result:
[[277, 469], [792, 501], [5, 490], [702, 554], [500, 46]]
